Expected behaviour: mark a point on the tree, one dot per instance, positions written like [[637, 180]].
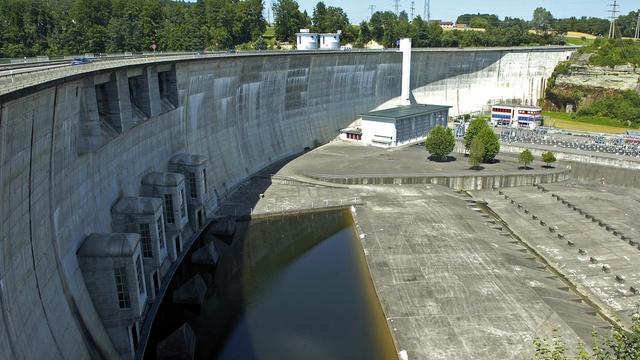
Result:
[[490, 142], [619, 344], [440, 142], [476, 153], [548, 157], [525, 158], [473, 130], [288, 19], [542, 20]]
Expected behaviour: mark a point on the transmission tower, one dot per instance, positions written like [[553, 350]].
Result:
[[427, 10], [614, 15], [637, 36], [372, 9], [412, 9], [396, 6]]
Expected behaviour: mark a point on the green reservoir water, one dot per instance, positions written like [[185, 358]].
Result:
[[293, 288]]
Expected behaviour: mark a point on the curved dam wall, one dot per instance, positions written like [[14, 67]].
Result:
[[65, 160]]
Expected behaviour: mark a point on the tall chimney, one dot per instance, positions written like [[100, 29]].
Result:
[[405, 48]]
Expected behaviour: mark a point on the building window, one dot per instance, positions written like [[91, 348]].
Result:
[[168, 208], [192, 185], [139, 275], [145, 236], [204, 180], [160, 232], [183, 212], [122, 288]]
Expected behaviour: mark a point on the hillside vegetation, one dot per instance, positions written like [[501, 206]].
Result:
[[604, 103]]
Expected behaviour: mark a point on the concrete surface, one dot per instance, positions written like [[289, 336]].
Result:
[[242, 112], [451, 283], [343, 162], [598, 262]]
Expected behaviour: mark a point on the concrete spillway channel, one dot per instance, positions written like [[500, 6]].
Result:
[[591, 307]]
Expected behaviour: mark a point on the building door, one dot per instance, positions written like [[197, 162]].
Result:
[[178, 245], [156, 282], [200, 219]]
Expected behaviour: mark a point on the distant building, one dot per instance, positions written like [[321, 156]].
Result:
[[397, 126], [461, 26], [517, 116], [306, 40], [330, 41], [446, 24]]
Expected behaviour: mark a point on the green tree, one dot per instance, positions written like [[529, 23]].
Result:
[[476, 153], [288, 19], [474, 129], [542, 20], [440, 142], [525, 158], [619, 344], [549, 158], [364, 34], [490, 142]]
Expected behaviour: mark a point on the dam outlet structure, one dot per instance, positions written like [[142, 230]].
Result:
[[109, 173]]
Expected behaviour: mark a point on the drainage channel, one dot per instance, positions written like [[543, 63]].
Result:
[[484, 207]]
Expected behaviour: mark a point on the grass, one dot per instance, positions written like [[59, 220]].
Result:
[[578, 41], [270, 32], [563, 120]]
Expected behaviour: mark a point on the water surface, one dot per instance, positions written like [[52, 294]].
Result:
[[294, 288]]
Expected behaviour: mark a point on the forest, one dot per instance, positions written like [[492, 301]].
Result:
[[69, 27]]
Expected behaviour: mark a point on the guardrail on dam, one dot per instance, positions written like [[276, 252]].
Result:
[[72, 147]]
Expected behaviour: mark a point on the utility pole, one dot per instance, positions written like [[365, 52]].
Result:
[[614, 15], [396, 6], [637, 27], [412, 10], [372, 9]]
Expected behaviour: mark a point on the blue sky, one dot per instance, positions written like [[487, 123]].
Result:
[[357, 10]]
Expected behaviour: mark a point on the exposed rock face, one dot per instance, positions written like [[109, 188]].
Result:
[[622, 77]]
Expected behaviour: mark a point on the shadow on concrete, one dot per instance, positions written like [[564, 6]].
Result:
[[236, 205], [442, 160], [477, 168]]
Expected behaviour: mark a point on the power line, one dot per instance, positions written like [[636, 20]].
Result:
[[614, 15], [372, 9]]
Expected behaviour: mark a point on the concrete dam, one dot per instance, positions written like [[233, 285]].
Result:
[[87, 158]]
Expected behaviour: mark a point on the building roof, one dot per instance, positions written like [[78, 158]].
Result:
[[163, 179], [351, 131], [401, 112], [109, 245], [137, 205], [188, 159]]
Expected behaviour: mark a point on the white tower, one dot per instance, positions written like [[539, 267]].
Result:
[[405, 48]]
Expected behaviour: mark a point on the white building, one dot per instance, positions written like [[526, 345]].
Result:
[[113, 272], [397, 126], [330, 41], [516, 116], [144, 215], [306, 40], [170, 188]]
